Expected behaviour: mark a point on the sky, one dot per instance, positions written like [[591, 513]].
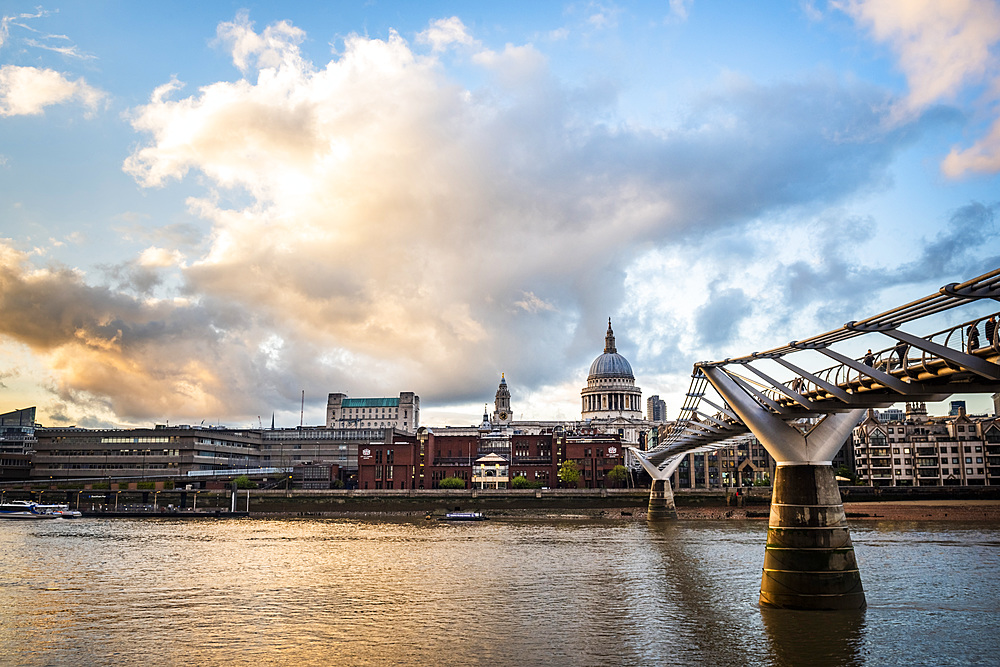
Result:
[[210, 210]]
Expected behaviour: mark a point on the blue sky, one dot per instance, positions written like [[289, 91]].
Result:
[[208, 208]]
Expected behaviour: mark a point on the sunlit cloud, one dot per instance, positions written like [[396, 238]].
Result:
[[444, 33], [29, 90], [944, 48], [374, 224]]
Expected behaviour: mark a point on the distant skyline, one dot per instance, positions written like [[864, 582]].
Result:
[[208, 208]]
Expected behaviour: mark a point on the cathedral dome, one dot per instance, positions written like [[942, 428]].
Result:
[[610, 364]]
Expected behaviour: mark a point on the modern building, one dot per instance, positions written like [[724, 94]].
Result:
[[318, 457], [401, 413], [17, 442], [656, 410]]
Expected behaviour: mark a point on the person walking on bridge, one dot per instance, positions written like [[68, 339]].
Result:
[[869, 359], [991, 331], [973, 339], [900, 351]]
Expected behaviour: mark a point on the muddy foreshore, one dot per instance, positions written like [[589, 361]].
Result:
[[925, 510]]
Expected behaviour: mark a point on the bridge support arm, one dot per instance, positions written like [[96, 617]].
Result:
[[809, 560], [785, 443], [661, 497]]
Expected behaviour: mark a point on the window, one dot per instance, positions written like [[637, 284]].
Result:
[[968, 459]]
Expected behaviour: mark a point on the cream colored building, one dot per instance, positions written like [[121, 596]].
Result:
[[401, 413]]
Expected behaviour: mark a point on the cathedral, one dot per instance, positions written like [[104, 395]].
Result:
[[612, 403], [611, 392]]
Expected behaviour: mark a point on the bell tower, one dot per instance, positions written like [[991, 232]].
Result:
[[502, 403]]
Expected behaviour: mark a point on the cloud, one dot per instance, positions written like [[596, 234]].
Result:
[[28, 90], [131, 359], [679, 9], [373, 226], [943, 49], [154, 257], [71, 50], [397, 217], [444, 33]]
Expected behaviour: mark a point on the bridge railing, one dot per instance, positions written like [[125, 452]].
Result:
[[902, 361], [902, 365]]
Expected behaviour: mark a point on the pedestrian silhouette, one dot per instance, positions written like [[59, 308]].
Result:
[[991, 330], [869, 358], [973, 340]]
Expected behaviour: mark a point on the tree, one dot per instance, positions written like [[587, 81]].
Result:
[[522, 482], [844, 471], [618, 475], [243, 482], [569, 473], [451, 483]]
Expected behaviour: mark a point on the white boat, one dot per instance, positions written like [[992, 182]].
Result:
[[26, 509], [60, 511], [464, 516]]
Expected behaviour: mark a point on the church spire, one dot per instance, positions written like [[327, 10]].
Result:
[[609, 340]]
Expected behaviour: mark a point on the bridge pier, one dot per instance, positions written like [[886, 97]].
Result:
[[661, 501], [809, 560]]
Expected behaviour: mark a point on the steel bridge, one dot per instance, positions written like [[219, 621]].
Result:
[[805, 417]]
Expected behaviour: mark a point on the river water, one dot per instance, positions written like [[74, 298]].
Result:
[[501, 592]]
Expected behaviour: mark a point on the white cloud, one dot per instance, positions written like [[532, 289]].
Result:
[[944, 49], [28, 90], [154, 257], [444, 33], [441, 233], [679, 9]]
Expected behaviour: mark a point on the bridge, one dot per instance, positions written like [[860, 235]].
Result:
[[804, 417]]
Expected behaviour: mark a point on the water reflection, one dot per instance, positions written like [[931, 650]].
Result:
[[815, 638], [308, 592]]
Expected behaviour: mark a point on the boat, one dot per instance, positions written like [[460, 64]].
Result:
[[60, 511], [25, 509], [464, 516]]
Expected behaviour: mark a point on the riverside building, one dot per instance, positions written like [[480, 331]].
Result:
[[318, 457], [402, 412], [920, 450], [17, 443]]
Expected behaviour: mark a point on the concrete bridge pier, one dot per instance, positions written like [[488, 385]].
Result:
[[809, 560], [661, 501], [661, 496]]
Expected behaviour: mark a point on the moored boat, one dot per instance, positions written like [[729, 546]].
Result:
[[60, 511], [464, 516], [23, 509], [26, 509]]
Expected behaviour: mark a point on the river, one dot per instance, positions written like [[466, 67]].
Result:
[[500, 592]]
